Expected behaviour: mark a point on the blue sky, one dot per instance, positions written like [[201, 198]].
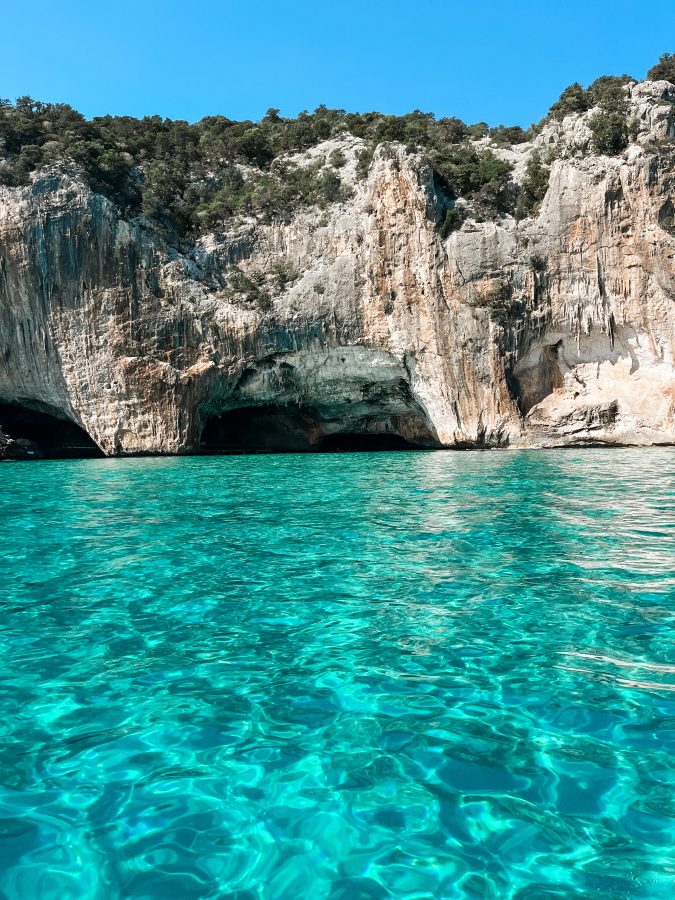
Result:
[[502, 62]]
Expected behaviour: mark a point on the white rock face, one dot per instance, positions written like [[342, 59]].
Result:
[[551, 331]]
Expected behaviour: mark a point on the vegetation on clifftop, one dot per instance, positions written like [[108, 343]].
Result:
[[609, 125], [664, 70], [197, 177]]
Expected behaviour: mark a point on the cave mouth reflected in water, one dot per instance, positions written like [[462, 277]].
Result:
[[292, 429], [55, 438]]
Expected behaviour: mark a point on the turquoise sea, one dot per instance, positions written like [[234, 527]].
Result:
[[339, 676]]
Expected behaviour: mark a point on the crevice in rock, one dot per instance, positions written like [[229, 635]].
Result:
[[531, 383], [667, 217]]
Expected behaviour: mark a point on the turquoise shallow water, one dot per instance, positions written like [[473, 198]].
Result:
[[339, 676]]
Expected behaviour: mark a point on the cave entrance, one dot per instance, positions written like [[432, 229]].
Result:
[[290, 429], [259, 429], [55, 438]]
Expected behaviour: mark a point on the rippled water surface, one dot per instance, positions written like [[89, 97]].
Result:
[[440, 675]]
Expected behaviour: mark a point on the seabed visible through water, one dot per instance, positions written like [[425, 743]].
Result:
[[340, 676]]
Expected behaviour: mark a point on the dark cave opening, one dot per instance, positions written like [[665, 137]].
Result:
[[53, 438], [288, 429], [259, 429]]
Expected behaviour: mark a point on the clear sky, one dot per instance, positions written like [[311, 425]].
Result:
[[492, 60]]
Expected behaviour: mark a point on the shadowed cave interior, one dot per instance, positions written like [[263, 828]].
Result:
[[250, 429], [292, 429], [50, 436]]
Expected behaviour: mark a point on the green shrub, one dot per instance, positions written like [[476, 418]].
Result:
[[494, 195], [572, 100], [667, 216], [28, 159], [252, 286], [364, 160], [477, 131], [330, 188], [664, 70], [284, 274], [609, 133], [533, 187], [337, 159], [479, 176], [451, 221], [538, 263], [609, 127], [502, 135], [496, 298], [609, 93]]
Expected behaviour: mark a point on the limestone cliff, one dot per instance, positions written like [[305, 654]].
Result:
[[553, 330]]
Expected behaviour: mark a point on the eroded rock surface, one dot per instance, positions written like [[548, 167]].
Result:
[[554, 330]]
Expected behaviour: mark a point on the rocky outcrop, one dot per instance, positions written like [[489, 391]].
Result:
[[18, 449], [555, 330]]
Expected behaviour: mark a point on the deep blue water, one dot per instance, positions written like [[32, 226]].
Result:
[[436, 675]]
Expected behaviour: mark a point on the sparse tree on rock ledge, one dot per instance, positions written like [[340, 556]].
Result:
[[664, 70]]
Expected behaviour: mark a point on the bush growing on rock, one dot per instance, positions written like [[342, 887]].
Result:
[[609, 93], [508, 136], [284, 274], [268, 196], [609, 133], [252, 287], [479, 176], [533, 187], [364, 160], [538, 263], [477, 131], [495, 297], [664, 70], [452, 220], [337, 159], [572, 100]]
